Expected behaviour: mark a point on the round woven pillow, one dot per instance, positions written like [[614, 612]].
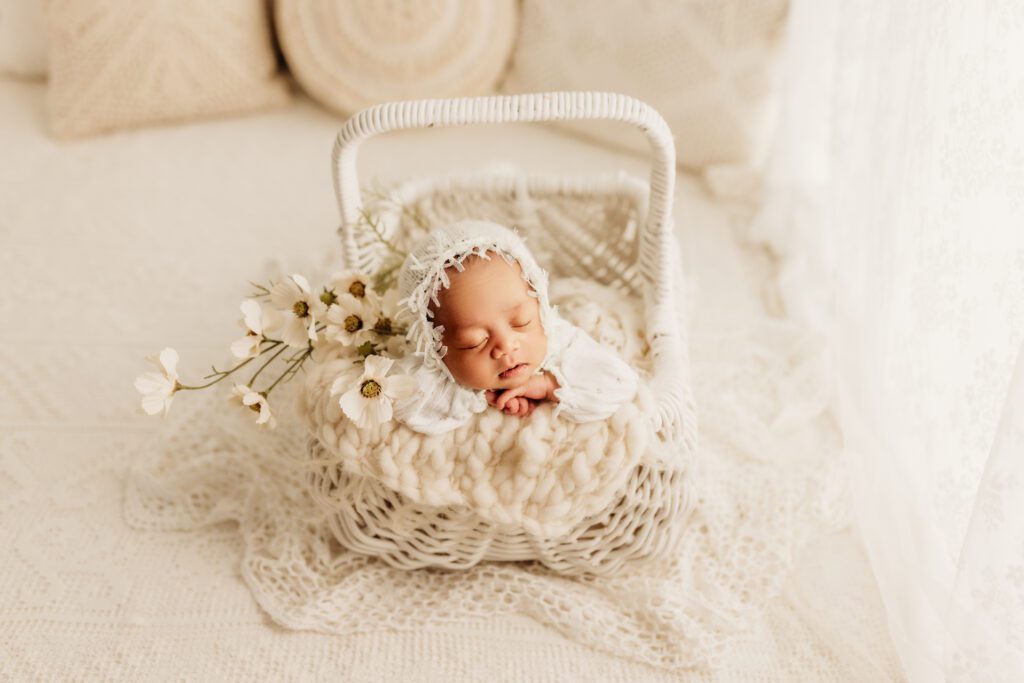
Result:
[[350, 54]]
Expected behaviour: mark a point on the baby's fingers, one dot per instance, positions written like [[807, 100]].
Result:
[[509, 395], [517, 406]]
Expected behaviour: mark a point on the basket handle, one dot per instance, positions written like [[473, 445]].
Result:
[[536, 107]]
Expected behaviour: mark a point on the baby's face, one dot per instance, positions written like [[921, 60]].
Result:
[[491, 325]]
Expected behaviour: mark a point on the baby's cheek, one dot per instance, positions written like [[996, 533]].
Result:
[[470, 371], [542, 344]]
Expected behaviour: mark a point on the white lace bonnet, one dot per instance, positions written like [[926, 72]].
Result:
[[423, 274]]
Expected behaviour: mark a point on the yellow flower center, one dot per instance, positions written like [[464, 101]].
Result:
[[255, 407], [353, 323], [370, 389], [383, 326], [300, 309], [357, 289]]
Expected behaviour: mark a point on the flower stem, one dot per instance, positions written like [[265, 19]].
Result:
[[292, 369], [268, 362], [223, 374], [380, 235]]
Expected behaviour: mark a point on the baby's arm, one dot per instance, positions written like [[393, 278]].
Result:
[[594, 379], [438, 405]]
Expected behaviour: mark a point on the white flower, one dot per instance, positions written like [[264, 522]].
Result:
[[158, 388], [385, 313], [368, 402], [242, 395], [301, 309], [326, 349], [350, 282], [349, 320], [388, 320], [258, 321]]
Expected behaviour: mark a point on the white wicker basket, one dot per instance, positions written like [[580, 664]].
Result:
[[614, 229]]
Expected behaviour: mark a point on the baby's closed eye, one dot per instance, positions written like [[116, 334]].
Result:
[[474, 346], [470, 345]]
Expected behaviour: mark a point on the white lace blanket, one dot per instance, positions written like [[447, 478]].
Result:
[[209, 465]]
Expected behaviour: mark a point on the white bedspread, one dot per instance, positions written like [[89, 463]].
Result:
[[113, 248]]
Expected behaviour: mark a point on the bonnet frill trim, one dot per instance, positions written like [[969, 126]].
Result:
[[423, 274]]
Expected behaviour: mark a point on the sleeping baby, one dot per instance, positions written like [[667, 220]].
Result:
[[484, 335]]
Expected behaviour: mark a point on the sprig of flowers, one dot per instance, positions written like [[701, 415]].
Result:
[[287, 323], [348, 318]]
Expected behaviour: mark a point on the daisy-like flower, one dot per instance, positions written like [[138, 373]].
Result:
[[242, 395], [350, 282], [158, 388], [257, 321], [386, 313], [349, 320], [301, 308], [327, 349], [368, 401], [387, 326]]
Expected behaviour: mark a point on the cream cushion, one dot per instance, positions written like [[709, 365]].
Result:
[[708, 66], [350, 54], [122, 63], [22, 39]]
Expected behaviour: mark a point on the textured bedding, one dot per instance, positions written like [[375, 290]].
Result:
[[114, 247]]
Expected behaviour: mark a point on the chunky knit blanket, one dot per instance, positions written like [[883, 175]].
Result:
[[541, 474]]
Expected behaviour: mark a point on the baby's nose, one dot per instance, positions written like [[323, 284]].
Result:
[[502, 347]]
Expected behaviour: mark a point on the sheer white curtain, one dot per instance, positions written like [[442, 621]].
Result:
[[896, 200]]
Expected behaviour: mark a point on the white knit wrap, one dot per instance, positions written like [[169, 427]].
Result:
[[423, 274]]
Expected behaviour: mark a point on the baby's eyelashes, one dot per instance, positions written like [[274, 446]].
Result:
[[474, 346], [470, 346]]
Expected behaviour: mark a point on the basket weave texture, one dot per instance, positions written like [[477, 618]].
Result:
[[613, 231]]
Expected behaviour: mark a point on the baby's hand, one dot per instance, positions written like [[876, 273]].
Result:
[[518, 401], [514, 405], [520, 406]]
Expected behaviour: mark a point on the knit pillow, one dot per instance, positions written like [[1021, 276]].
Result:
[[348, 54], [125, 63], [708, 66]]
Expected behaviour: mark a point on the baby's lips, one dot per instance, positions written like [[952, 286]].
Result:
[[514, 365]]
